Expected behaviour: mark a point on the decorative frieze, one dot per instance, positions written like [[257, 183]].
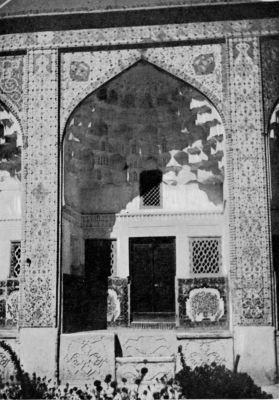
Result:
[[139, 34]]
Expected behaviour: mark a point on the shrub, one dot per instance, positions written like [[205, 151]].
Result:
[[216, 381], [22, 385]]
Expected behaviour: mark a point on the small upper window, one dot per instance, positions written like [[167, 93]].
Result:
[[150, 188]]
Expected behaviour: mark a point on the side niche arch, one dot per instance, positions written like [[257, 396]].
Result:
[[144, 119], [10, 214]]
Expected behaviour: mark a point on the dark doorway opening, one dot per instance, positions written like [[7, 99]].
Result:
[[97, 271], [85, 298], [275, 255], [152, 266]]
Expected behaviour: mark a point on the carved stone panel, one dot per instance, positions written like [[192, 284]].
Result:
[[147, 343], [206, 351], [87, 356]]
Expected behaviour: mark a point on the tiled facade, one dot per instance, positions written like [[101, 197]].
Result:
[[45, 75]]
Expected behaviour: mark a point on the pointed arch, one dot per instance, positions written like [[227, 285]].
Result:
[[85, 92]]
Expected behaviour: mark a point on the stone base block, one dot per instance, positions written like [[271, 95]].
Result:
[[86, 356], [130, 368], [200, 351], [146, 343], [38, 351], [256, 347]]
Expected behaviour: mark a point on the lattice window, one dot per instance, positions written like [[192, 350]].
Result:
[[152, 198], [150, 188], [205, 255], [15, 259], [113, 257]]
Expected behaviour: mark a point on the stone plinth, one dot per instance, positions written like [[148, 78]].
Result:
[[38, 350], [256, 347], [86, 356]]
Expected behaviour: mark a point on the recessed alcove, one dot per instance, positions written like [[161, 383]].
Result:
[[143, 158]]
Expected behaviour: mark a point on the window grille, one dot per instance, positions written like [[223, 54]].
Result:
[[113, 257], [15, 259], [205, 255], [150, 188], [152, 198]]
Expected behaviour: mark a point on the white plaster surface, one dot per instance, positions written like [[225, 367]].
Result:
[[256, 347], [182, 227], [38, 350]]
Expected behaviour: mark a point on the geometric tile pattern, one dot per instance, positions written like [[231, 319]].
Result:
[[40, 187], [250, 265], [11, 81]]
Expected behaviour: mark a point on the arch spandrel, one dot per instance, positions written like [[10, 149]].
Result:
[[84, 72]]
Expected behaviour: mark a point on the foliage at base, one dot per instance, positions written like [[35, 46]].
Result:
[[216, 382]]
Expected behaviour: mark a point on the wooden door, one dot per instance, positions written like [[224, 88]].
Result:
[[152, 266]]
